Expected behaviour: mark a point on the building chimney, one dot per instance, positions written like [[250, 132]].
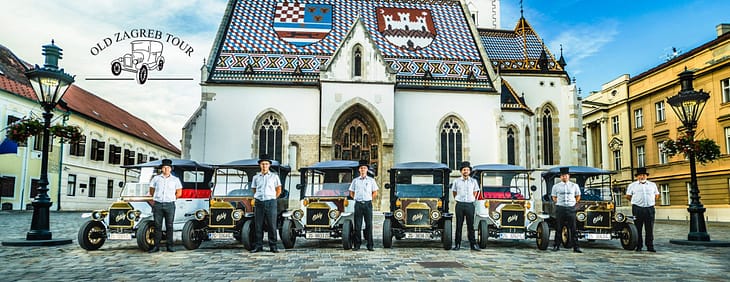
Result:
[[722, 29]]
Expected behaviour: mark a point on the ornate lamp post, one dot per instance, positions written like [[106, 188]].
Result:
[[688, 105], [49, 83]]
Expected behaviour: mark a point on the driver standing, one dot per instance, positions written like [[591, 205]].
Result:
[[566, 195]]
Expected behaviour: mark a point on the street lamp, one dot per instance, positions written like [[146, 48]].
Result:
[[49, 83], [688, 105]]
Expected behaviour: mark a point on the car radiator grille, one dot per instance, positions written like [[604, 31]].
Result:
[[318, 217], [118, 217], [417, 217], [220, 217], [598, 219], [513, 219]]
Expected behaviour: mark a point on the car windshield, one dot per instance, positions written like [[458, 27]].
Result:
[[504, 185], [592, 187], [140, 46], [328, 184], [140, 187], [232, 183], [414, 185]]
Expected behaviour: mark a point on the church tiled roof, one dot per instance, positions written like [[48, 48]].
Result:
[[517, 50], [511, 101], [273, 41]]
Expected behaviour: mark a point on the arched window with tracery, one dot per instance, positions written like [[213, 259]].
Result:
[[547, 137], [357, 61], [270, 136], [451, 143], [511, 147]]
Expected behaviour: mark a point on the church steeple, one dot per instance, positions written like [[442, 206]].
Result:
[[542, 62], [561, 61]]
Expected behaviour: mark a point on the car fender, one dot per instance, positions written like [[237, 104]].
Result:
[[388, 214], [86, 215]]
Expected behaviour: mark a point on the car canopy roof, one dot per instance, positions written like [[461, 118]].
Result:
[[500, 167], [577, 170], [254, 163], [336, 164], [421, 166], [181, 163]]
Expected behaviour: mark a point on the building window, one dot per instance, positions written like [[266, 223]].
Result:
[[660, 116], [128, 157], [640, 154], [357, 62], [92, 187], [71, 185], [152, 159], [547, 137], [511, 147], [110, 188], [727, 140], [617, 159], [78, 149], [639, 118], [115, 154], [615, 125], [662, 155], [664, 191], [451, 143], [38, 143], [7, 187], [34, 185], [14, 119], [141, 158], [725, 85], [270, 137], [97, 150]]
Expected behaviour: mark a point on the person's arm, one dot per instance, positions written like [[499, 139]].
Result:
[[278, 191], [152, 191], [577, 193], [656, 193], [577, 199], [375, 193], [629, 193], [152, 186], [178, 192]]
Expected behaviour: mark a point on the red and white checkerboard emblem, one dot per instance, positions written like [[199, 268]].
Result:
[[302, 24], [289, 13]]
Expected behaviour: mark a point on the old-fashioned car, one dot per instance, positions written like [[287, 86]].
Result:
[[231, 212], [130, 216], [596, 215], [505, 208], [146, 55], [326, 211], [419, 203]]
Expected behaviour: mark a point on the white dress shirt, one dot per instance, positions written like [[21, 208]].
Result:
[[265, 185], [642, 194], [165, 188], [566, 193], [465, 189], [363, 188]]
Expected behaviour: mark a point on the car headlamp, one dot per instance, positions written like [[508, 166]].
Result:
[[620, 217], [398, 214], [298, 214], [237, 214], [496, 215], [531, 216], [581, 216], [98, 215], [334, 214], [435, 215], [200, 214]]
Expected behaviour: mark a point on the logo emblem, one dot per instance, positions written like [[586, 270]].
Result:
[[417, 217], [409, 29], [220, 217], [119, 217], [598, 219], [317, 216], [512, 218], [302, 24], [146, 56]]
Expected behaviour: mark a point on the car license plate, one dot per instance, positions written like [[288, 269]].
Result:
[[514, 236], [593, 236], [418, 236], [220, 236], [317, 235], [120, 236]]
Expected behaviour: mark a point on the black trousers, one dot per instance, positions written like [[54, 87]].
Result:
[[167, 211], [566, 217], [265, 211], [364, 210], [645, 219], [463, 210]]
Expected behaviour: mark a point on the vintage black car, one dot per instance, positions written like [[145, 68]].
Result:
[[505, 207], [231, 212], [131, 215], [326, 208], [419, 203], [596, 215]]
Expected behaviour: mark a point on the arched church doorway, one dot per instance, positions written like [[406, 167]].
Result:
[[357, 137]]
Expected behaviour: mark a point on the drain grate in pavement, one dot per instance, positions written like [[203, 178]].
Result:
[[440, 264]]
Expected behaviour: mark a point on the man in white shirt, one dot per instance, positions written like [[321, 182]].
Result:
[[566, 195], [266, 187], [363, 190], [165, 188], [643, 195], [465, 190]]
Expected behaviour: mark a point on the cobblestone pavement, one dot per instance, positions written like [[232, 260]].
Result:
[[317, 260]]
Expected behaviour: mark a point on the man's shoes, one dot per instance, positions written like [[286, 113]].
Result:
[[638, 249], [371, 249], [651, 250], [256, 250], [274, 250], [556, 248], [169, 249], [356, 248], [457, 247], [154, 250], [475, 248], [577, 250]]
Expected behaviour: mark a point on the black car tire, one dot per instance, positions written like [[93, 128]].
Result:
[[483, 232], [116, 68], [347, 234], [630, 236], [189, 235], [160, 64], [146, 235], [248, 235], [387, 234], [543, 236], [288, 238], [446, 235], [92, 235], [142, 75]]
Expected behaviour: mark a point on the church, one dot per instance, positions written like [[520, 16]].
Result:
[[384, 81]]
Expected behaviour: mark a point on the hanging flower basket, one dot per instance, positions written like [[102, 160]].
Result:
[[68, 133], [24, 129], [706, 150]]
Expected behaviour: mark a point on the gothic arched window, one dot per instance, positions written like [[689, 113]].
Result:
[[511, 147], [357, 62], [270, 136], [451, 143], [547, 137]]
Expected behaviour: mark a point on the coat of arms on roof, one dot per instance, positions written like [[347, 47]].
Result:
[[302, 24], [409, 29]]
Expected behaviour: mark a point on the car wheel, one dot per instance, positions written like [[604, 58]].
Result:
[[160, 64], [483, 232], [92, 235], [116, 68], [543, 236], [146, 235], [387, 234], [629, 237], [190, 237], [446, 235], [142, 75], [288, 237], [248, 234], [564, 234], [347, 235]]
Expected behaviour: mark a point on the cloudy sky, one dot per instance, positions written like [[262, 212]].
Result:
[[601, 40]]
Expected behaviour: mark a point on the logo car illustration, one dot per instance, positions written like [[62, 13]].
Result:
[[146, 55]]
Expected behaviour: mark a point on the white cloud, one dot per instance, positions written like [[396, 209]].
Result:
[[583, 41], [76, 26]]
